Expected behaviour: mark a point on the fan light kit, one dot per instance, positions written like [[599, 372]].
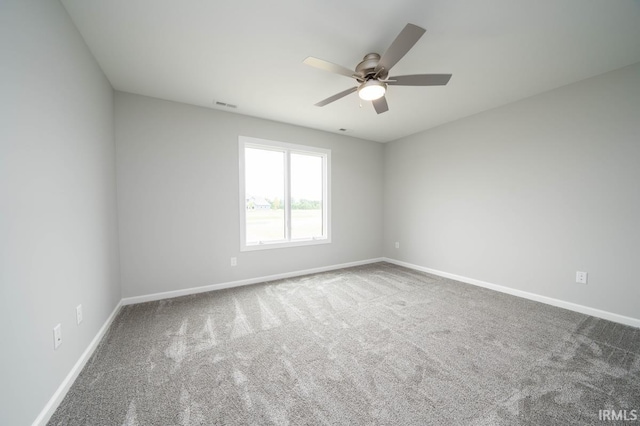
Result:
[[373, 71], [371, 90]]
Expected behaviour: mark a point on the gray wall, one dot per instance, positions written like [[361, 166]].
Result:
[[178, 197], [58, 237], [527, 194]]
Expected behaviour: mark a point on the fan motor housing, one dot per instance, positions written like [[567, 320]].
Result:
[[367, 67]]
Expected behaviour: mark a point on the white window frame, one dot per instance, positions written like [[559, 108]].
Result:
[[288, 149]]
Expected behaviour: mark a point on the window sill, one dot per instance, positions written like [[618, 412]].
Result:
[[286, 244]]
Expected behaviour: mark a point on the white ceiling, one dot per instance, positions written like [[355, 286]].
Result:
[[250, 53]]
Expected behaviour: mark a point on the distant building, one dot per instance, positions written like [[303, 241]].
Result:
[[257, 203]]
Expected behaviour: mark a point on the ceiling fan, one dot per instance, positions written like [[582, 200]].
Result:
[[373, 72]]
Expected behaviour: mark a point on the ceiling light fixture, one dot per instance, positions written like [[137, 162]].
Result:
[[371, 90]]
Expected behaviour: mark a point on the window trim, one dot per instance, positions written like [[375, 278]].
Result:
[[288, 148]]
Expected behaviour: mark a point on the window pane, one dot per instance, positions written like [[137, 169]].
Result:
[[264, 180], [306, 196]]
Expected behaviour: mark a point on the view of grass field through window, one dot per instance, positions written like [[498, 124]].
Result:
[[268, 225], [265, 176]]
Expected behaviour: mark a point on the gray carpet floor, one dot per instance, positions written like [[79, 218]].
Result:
[[377, 344]]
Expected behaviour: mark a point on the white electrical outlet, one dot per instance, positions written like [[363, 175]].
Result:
[[397, 244], [234, 261], [57, 336], [581, 277], [79, 314]]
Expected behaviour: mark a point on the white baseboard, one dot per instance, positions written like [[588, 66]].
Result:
[[64, 387], [634, 322], [249, 281]]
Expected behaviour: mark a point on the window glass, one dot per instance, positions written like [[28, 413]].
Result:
[[306, 196], [264, 195]]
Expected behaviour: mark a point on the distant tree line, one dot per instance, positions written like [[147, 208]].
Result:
[[302, 204], [305, 204]]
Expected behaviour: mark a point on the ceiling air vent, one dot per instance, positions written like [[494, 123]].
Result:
[[224, 104]]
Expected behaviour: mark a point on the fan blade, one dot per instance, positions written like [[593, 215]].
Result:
[[400, 46], [336, 96], [328, 66], [419, 80], [380, 105]]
